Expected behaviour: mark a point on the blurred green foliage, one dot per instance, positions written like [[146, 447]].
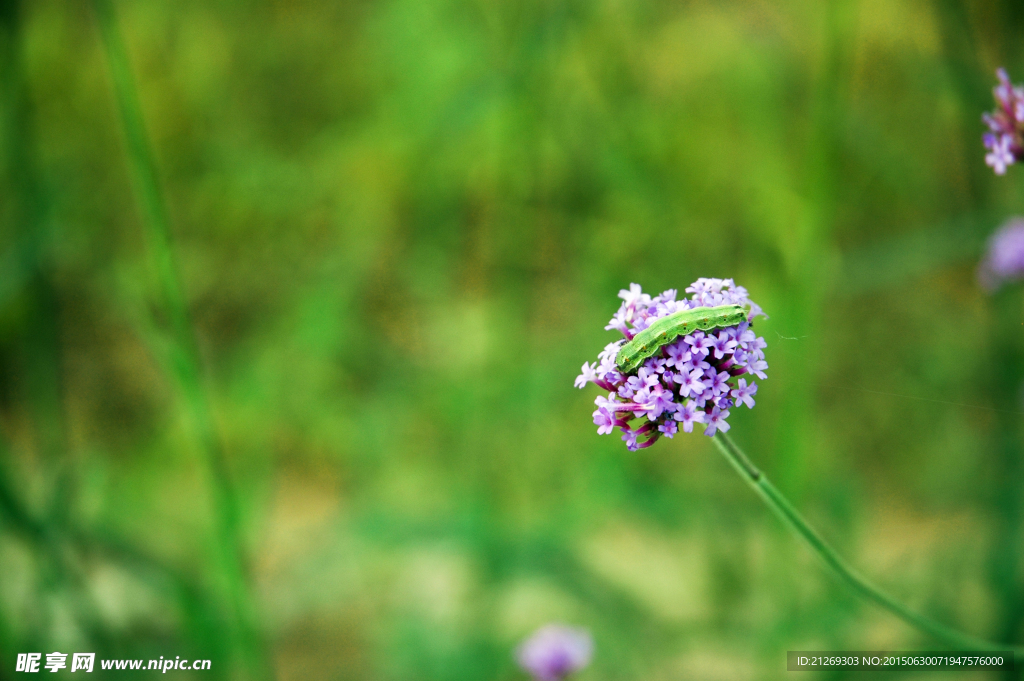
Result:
[[401, 226]]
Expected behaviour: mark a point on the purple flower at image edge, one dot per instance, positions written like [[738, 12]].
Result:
[[696, 379], [1006, 124], [1004, 256], [554, 651]]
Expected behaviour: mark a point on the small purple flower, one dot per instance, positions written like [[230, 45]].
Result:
[[692, 380], [1005, 125], [655, 365], [587, 376], [617, 323], [757, 368], [756, 347], [649, 378], [632, 384], [745, 393], [723, 344], [695, 363], [668, 296], [642, 400], [661, 401], [608, 373], [1004, 260], [719, 382], [688, 415], [610, 351], [690, 383], [677, 354], [699, 343], [701, 286], [634, 296], [629, 437], [604, 421], [716, 421], [554, 651]]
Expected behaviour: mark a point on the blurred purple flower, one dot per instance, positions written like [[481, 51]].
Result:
[[1004, 260], [554, 651], [1005, 124], [1000, 156], [705, 382]]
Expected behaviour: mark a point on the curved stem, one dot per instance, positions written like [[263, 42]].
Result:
[[789, 515]]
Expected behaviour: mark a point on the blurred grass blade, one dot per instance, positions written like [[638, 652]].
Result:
[[186, 355]]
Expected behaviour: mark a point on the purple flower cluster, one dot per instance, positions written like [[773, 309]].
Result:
[[1005, 258], [692, 380], [1005, 124], [555, 651]]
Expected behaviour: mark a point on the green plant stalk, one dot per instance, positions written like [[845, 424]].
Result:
[[791, 517], [1008, 370], [185, 353]]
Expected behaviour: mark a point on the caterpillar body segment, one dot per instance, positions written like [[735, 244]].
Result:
[[666, 329]]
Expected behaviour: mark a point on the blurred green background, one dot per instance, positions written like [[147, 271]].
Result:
[[400, 226]]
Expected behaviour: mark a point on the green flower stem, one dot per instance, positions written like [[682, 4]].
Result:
[[185, 353], [791, 517]]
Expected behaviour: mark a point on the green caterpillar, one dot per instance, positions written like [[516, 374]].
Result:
[[666, 329]]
